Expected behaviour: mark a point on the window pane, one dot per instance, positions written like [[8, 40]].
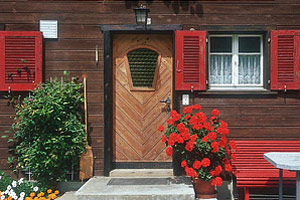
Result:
[[249, 69], [221, 44], [220, 69], [249, 44]]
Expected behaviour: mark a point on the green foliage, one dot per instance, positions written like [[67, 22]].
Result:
[[48, 132], [18, 186]]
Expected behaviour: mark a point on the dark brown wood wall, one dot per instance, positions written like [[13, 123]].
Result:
[[254, 116]]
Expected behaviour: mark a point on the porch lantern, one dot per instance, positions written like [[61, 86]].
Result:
[[141, 15]]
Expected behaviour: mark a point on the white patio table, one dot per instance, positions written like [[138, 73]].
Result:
[[289, 161]]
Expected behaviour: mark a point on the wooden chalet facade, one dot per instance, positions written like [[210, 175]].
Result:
[[241, 57]]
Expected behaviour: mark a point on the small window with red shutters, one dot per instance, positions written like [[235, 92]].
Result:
[[20, 60], [235, 61]]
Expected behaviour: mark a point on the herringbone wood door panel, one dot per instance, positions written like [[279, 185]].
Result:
[[138, 113]]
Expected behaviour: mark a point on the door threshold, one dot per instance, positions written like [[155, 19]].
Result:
[[141, 173]]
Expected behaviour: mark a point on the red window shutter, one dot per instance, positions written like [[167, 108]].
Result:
[[285, 67], [190, 60], [20, 60]]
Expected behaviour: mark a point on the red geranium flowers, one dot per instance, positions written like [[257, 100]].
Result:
[[201, 141]]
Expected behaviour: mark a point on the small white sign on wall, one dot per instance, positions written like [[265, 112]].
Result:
[[185, 99], [49, 28]]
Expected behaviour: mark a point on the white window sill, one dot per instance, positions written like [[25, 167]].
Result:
[[259, 88], [238, 91]]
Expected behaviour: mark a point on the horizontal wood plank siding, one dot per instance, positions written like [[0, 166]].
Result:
[[264, 117], [249, 117]]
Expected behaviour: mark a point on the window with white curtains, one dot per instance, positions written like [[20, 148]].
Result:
[[235, 61]]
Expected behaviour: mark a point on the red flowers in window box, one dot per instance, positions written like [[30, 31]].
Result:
[[201, 141]]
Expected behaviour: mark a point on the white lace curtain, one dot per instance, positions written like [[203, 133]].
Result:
[[249, 71]]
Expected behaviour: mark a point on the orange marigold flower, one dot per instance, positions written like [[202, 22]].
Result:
[[40, 194], [32, 194], [49, 191]]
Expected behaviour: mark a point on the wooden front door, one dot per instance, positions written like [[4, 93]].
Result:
[[142, 77]]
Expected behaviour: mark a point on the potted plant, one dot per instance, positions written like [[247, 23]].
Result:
[[202, 144]]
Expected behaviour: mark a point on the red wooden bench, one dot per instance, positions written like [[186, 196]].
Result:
[[252, 170]]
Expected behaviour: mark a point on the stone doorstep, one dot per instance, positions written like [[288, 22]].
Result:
[[97, 188], [68, 196], [141, 173]]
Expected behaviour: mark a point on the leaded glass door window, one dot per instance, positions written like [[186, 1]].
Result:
[[143, 64]]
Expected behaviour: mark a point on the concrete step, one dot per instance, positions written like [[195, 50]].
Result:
[[178, 188], [141, 173], [68, 196]]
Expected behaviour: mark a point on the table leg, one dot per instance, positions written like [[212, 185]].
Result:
[[280, 184], [297, 185]]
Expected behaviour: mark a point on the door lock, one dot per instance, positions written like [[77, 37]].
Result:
[[168, 102]]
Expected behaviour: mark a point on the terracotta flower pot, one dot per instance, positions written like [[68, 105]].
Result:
[[204, 189]]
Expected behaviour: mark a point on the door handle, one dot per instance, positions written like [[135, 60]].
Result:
[[168, 102]]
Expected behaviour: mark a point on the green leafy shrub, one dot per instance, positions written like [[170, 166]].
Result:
[[48, 132]]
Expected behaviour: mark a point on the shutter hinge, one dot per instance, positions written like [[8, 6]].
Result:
[[206, 82], [269, 81], [192, 88], [206, 40], [269, 40]]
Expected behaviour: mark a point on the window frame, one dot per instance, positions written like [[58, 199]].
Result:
[[235, 60]]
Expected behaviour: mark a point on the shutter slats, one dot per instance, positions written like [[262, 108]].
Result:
[[22, 60], [17, 51], [284, 66], [190, 55], [285, 59]]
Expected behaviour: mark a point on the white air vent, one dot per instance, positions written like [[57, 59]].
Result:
[[49, 28]]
